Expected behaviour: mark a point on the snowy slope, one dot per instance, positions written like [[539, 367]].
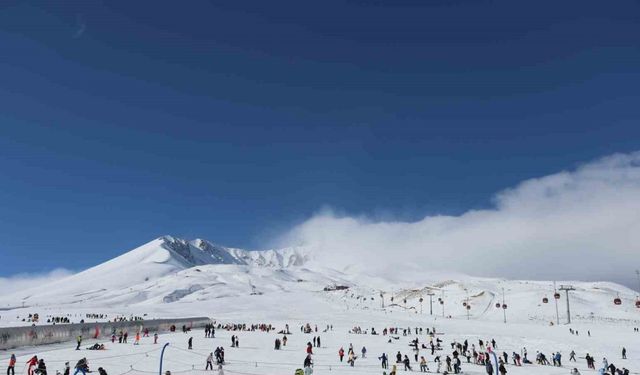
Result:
[[175, 277]]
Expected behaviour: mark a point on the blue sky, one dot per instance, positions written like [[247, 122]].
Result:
[[233, 122]]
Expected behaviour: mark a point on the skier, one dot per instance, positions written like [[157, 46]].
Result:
[[341, 353], [79, 341], [155, 338], [364, 352], [102, 371], [624, 353], [12, 365], [67, 369], [190, 343], [137, 340], [572, 356]]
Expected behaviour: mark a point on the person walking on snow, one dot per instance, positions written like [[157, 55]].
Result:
[[32, 363], [79, 341], [341, 353], [209, 362], [12, 365], [385, 361]]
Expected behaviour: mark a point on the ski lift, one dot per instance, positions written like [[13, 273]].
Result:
[[442, 302], [556, 295], [617, 301], [504, 306], [464, 304], [468, 307], [497, 305], [545, 300]]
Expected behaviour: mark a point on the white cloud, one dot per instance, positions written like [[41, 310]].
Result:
[[23, 281], [579, 224]]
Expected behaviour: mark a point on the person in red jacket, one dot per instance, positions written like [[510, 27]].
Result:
[[341, 354], [32, 363], [12, 365], [309, 348]]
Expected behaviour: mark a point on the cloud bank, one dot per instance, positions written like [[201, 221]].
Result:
[[19, 282], [582, 224]]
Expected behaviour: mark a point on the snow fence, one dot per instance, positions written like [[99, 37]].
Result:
[[14, 337]]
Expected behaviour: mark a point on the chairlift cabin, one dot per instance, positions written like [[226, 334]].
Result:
[[545, 300], [504, 306], [617, 301], [638, 303], [497, 305], [556, 295], [468, 307]]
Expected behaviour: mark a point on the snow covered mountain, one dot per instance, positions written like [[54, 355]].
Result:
[[175, 277], [150, 262]]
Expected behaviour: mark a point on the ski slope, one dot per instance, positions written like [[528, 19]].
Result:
[[170, 277]]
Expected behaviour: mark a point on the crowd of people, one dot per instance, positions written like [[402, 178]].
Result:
[[449, 358]]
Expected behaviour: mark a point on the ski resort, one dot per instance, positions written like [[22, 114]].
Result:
[[335, 187], [268, 311]]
